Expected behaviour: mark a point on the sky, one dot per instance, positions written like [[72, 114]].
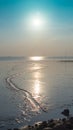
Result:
[[20, 36]]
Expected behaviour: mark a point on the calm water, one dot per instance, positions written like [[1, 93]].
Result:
[[31, 91]]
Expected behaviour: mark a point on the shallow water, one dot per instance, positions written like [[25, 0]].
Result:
[[31, 91]]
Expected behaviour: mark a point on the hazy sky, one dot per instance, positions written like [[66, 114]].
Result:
[[18, 35]]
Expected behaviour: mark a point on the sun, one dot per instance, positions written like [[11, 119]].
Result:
[[37, 22]]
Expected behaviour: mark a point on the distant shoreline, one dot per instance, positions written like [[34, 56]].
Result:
[[66, 60]]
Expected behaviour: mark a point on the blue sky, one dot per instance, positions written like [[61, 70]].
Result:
[[54, 39]]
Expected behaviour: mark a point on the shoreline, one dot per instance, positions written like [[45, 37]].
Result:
[[52, 124]]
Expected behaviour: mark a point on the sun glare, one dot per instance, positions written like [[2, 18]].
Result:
[[36, 58]]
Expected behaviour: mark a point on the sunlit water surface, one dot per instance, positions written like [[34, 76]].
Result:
[[34, 90]]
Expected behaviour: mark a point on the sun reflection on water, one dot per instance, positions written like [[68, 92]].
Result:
[[37, 75], [37, 87]]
